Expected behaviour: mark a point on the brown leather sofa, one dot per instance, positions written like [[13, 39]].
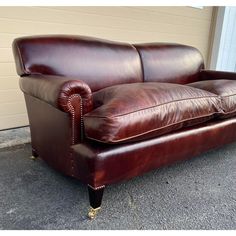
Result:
[[103, 112]]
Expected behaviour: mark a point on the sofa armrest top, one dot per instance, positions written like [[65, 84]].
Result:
[[213, 74], [57, 90]]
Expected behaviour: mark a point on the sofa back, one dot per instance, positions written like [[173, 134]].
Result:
[[172, 63], [100, 63]]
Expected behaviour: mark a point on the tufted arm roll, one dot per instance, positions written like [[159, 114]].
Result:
[[57, 91]]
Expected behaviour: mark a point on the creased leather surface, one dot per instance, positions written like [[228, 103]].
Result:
[[172, 63], [137, 111], [99, 63], [226, 89], [57, 90], [100, 164]]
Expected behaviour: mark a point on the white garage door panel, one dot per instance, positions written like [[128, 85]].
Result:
[[9, 82], [13, 121], [11, 96], [12, 108], [6, 39], [6, 55], [7, 69]]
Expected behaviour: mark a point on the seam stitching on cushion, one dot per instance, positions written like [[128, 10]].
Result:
[[181, 100], [166, 126], [229, 112], [224, 96]]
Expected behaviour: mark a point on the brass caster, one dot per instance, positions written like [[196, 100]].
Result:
[[33, 158], [93, 212]]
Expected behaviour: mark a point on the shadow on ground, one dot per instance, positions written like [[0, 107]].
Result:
[[196, 194]]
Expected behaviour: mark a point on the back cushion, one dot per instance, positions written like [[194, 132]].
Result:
[[173, 63], [100, 63]]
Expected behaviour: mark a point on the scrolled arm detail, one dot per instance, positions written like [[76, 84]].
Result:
[[57, 91], [75, 87]]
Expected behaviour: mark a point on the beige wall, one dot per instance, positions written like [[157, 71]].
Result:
[[132, 24]]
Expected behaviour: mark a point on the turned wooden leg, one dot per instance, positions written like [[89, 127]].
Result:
[[34, 154], [95, 199]]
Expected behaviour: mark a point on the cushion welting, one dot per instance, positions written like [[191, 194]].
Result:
[[225, 89], [131, 112]]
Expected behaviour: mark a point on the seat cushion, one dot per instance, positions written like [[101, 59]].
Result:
[[131, 112], [226, 89]]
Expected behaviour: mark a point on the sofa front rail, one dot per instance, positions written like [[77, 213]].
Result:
[[108, 164]]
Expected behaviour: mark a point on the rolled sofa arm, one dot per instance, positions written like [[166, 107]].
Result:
[[213, 74], [57, 91]]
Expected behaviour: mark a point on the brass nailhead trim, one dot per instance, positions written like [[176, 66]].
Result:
[[96, 188], [72, 110]]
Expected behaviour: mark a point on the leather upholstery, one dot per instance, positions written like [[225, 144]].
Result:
[[53, 68], [51, 134], [57, 91], [142, 110], [172, 63], [226, 89], [212, 74], [100, 164], [99, 63]]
